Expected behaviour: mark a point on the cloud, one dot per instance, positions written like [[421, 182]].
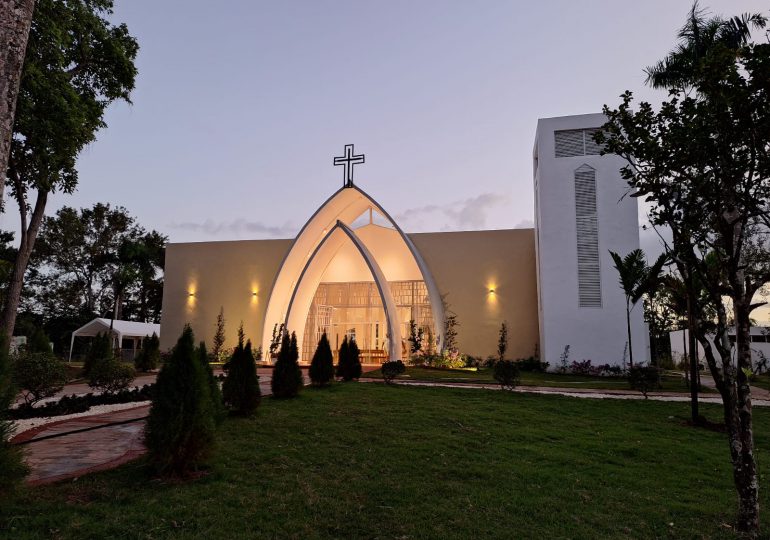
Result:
[[466, 214], [237, 227]]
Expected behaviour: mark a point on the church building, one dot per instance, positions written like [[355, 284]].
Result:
[[352, 271]]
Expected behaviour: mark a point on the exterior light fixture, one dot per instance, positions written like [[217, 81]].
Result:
[[254, 294], [191, 295], [491, 290]]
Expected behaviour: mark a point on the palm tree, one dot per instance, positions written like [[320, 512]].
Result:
[[700, 36], [636, 280]]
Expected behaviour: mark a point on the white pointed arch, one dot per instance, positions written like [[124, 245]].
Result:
[[345, 205], [310, 277]]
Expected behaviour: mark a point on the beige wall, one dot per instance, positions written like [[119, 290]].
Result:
[[465, 266], [220, 274]]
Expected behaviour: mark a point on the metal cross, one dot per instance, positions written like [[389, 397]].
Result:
[[348, 160]]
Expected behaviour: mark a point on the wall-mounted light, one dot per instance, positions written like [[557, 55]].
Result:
[[491, 290], [254, 294], [191, 295]]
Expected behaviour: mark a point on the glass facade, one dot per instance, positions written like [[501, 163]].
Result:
[[354, 309]]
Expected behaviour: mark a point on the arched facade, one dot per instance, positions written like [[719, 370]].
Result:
[[314, 249]]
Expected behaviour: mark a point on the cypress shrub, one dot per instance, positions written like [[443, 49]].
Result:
[[349, 365], [215, 393], [241, 387], [99, 349], [287, 376], [354, 358], [343, 360], [180, 429], [322, 365], [11, 464], [149, 356]]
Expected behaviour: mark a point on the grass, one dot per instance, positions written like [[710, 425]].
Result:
[[372, 461], [762, 381], [671, 382]]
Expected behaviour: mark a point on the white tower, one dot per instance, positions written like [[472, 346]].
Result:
[[582, 210]]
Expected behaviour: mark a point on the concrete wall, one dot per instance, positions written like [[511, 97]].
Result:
[[219, 274], [760, 344], [465, 266], [595, 333]]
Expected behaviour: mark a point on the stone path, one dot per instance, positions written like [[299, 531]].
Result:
[[64, 449]]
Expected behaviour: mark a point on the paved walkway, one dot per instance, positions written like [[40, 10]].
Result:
[[82, 449], [61, 449]]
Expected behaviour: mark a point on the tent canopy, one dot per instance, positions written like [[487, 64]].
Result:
[[120, 329]]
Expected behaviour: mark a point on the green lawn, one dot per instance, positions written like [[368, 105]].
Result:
[[671, 382], [762, 381], [372, 461]]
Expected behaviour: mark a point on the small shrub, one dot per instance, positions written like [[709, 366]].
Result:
[[38, 342], [532, 364], [149, 356], [322, 366], [474, 361], [11, 463], [39, 375], [507, 374], [111, 375], [392, 369], [218, 342], [287, 375], [580, 368], [240, 390], [644, 378], [180, 429]]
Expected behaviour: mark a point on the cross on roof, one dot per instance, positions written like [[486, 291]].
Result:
[[348, 160]]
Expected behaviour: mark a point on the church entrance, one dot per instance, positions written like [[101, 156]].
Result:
[[354, 309]]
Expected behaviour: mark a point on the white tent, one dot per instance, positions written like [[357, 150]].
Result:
[[120, 329]]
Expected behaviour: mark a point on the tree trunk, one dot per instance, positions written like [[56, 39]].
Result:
[[15, 22], [628, 330], [740, 429], [16, 282]]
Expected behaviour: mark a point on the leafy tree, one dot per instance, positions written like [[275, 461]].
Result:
[[38, 341], [10, 456], [702, 163], [219, 335], [180, 431], [81, 255], [322, 366], [241, 387], [502, 342], [287, 375], [15, 21], [636, 280], [77, 63], [215, 393], [149, 356]]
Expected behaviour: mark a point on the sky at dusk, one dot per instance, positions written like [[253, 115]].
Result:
[[240, 106]]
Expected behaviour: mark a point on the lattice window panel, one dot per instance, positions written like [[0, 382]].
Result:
[[576, 142], [589, 275]]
